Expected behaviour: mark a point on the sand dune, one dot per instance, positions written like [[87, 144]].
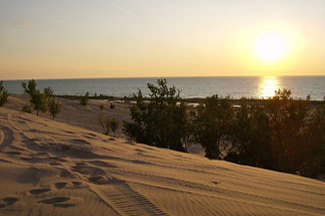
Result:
[[52, 168]]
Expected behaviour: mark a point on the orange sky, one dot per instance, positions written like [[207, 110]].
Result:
[[74, 39]]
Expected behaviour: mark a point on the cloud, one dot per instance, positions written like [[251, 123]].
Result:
[[26, 24]]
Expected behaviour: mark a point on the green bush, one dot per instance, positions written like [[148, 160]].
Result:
[[54, 107], [84, 99], [39, 101], [26, 108], [105, 123], [30, 88], [162, 121], [48, 92], [3, 95]]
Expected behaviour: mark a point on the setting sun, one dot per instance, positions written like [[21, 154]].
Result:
[[271, 47]]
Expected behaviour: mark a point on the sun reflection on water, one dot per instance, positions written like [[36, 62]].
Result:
[[267, 86]]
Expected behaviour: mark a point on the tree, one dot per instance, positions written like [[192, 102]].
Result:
[[3, 95], [84, 99], [211, 125], [48, 92], [39, 101], [114, 125], [313, 163], [250, 136], [288, 121], [54, 107], [30, 88], [161, 121]]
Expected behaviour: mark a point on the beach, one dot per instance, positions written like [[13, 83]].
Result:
[[67, 166]]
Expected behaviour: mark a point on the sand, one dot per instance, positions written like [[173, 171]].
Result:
[[54, 168]]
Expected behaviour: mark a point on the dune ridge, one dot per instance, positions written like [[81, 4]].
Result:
[[52, 168]]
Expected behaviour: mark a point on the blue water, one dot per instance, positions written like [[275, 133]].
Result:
[[235, 87]]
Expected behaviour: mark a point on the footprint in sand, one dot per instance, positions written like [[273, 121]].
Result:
[[54, 200], [60, 185], [75, 183], [39, 191], [79, 142], [8, 201], [55, 164], [95, 179], [64, 205], [13, 153], [66, 174]]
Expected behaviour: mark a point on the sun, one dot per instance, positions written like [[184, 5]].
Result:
[[271, 47]]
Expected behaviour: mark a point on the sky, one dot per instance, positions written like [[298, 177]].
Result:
[[43, 39]]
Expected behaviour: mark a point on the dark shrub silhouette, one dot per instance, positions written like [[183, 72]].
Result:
[[288, 121], [3, 95], [105, 123], [114, 125], [250, 136], [48, 92], [314, 145], [161, 121], [26, 108], [30, 88], [84, 99], [54, 107], [212, 125]]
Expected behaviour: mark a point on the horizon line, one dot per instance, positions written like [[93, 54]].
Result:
[[141, 77]]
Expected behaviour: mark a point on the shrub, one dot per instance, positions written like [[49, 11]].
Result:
[[30, 88], [105, 123], [250, 136], [288, 121], [54, 107], [114, 125], [112, 106], [101, 107], [3, 95], [39, 101], [48, 92], [314, 148], [26, 108], [212, 124], [161, 122], [84, 99]]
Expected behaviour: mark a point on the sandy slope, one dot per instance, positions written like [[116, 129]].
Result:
[[51, 168], [73, 113]]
